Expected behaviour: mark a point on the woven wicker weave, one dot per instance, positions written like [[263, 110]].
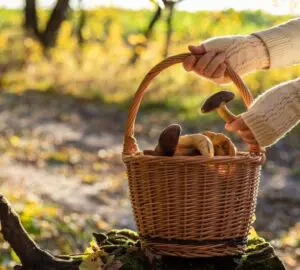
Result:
[[191, 206]]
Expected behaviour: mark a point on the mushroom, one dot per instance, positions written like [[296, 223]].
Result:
[[167, 142], [223, 146], [218, 102], [189, 145]]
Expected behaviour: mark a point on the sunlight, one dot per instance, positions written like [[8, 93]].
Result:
[[271, 6]]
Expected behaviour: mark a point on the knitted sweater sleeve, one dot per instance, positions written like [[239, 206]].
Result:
[[274, 113], [283, 43]]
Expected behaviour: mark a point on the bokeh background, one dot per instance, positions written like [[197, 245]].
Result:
[[68, 71]]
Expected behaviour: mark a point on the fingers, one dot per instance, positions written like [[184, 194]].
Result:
[[189, 63], [239, 126], [214, 64], [220, 72], [236, 125], [197, 49], [203, 62], [210, 64]]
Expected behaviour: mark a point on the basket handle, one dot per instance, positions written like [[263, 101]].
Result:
[[130, 145]]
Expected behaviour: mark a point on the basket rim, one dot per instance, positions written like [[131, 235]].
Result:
[[240, 157]]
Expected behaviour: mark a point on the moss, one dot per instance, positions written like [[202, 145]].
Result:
[[124, 232], [134, 261], [124, 246]]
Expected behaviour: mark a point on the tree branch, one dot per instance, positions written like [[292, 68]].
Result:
[[29, 253]]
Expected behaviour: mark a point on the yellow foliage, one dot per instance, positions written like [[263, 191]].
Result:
[[292, 237], [15, 140], [136, 39], [139, 49], [253, 234], [3, 41], [101, 70], [34, 209]]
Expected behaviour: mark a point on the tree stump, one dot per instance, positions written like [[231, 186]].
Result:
[[124, 247], [121, 249]]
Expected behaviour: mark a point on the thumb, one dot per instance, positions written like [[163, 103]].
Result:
[[197, 49]]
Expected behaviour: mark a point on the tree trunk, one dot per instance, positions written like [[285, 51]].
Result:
[[48, 37], [125, 246], [30, 22], [171, 8], [58, 15], [81, 23]]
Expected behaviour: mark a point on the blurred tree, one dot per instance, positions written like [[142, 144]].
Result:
[[81, 23], [169, 5], [106, 29], [47, 37]]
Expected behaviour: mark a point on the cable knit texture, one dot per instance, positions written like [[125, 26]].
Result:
[[283, 43], [277, 111], [274, 113], [244, 53]]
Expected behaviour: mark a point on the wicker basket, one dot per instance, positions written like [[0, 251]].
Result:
[[191, 206]]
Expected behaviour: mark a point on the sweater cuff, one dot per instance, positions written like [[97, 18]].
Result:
[[264, 134], [278, 45]]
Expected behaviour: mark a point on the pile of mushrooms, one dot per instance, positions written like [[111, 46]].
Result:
[[208, 143]]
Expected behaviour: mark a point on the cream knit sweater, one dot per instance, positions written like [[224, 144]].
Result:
[[277, 111]]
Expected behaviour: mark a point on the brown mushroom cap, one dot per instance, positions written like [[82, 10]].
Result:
[[168, 140], [214, 101]]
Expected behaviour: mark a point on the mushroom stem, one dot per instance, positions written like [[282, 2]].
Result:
[[229, 117], [226, 114]]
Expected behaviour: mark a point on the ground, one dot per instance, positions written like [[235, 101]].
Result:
[[67, 151]]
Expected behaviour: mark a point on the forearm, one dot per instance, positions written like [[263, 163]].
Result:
[[274, 113], [283, 43]]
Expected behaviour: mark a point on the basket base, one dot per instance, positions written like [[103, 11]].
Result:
[[193, 250]]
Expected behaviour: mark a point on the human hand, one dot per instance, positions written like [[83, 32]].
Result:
[[244, 53], [240, 127]]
